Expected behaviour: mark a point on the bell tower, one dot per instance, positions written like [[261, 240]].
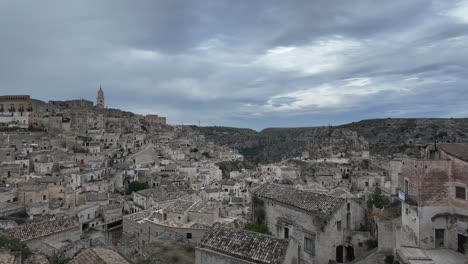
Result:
[[100, 98]]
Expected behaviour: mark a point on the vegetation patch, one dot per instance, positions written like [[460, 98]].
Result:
[[258, 228], [377, 200], [136, 186], [14, 246]]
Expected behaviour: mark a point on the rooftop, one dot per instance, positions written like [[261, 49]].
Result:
[[36, 230], [316, 203], [204, 207], [98, 256], [7, 258], [179, 206], [433, 256], [245, 245], [458, 150], [5, 207], [160, 194]]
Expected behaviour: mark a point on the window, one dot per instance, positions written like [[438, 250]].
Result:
[[460, 193], [286, 233], [406, 187], [44, 197], [189, 235], [366, 184], [309, 245], [338, 225]]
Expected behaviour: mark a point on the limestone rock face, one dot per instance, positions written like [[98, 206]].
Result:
[[377, 136]]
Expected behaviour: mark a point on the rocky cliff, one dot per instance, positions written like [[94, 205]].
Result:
[[379, 136]]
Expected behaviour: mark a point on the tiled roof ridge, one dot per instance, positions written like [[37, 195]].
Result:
[[332, 204], [277, 252]]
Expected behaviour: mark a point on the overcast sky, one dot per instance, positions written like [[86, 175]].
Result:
[[243, 63]]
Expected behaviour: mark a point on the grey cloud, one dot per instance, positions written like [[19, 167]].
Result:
[[203, 64]]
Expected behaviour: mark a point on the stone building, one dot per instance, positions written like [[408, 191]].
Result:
[[15, 110], [224, 245], [150, 225], [157, 198], [61, 106], [15, 103], [55, 232], [30, 194], [435, 198], [100, 98], [320, 227], [99, 255], [155, 120]]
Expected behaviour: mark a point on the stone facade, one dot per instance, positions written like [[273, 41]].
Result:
[[435, 207], [100, 99], [320, 227], [15, 103]]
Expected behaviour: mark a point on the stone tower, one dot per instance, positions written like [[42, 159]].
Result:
[[100, 98]]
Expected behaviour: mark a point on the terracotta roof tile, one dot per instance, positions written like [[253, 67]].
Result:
[[245, 245], [316, 203]]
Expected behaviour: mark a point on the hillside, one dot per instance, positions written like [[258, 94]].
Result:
[[276, 144], [380, 136], [390, 136]]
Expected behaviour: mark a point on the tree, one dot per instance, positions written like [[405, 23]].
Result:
[[136, 186], [377, 199]]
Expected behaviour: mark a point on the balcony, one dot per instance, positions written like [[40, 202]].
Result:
[[406, 198]]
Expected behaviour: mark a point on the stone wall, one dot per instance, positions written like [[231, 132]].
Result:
[[206, 256], [327, 233]]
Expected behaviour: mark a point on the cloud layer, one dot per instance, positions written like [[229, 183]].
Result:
[[243, 63]]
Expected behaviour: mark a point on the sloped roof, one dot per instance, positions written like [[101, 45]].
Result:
[[458, 150], [36, 230], [160, 194], [179, 206], [245, 245], [316, 203], [99, 256]]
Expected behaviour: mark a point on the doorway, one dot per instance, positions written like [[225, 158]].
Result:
[[439, 238], [349, 253], [339, 254], [462, 243]]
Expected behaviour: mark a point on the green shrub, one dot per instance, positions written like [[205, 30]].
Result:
[[378, 200], [15, 246], [136, 186], [259, 228]]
